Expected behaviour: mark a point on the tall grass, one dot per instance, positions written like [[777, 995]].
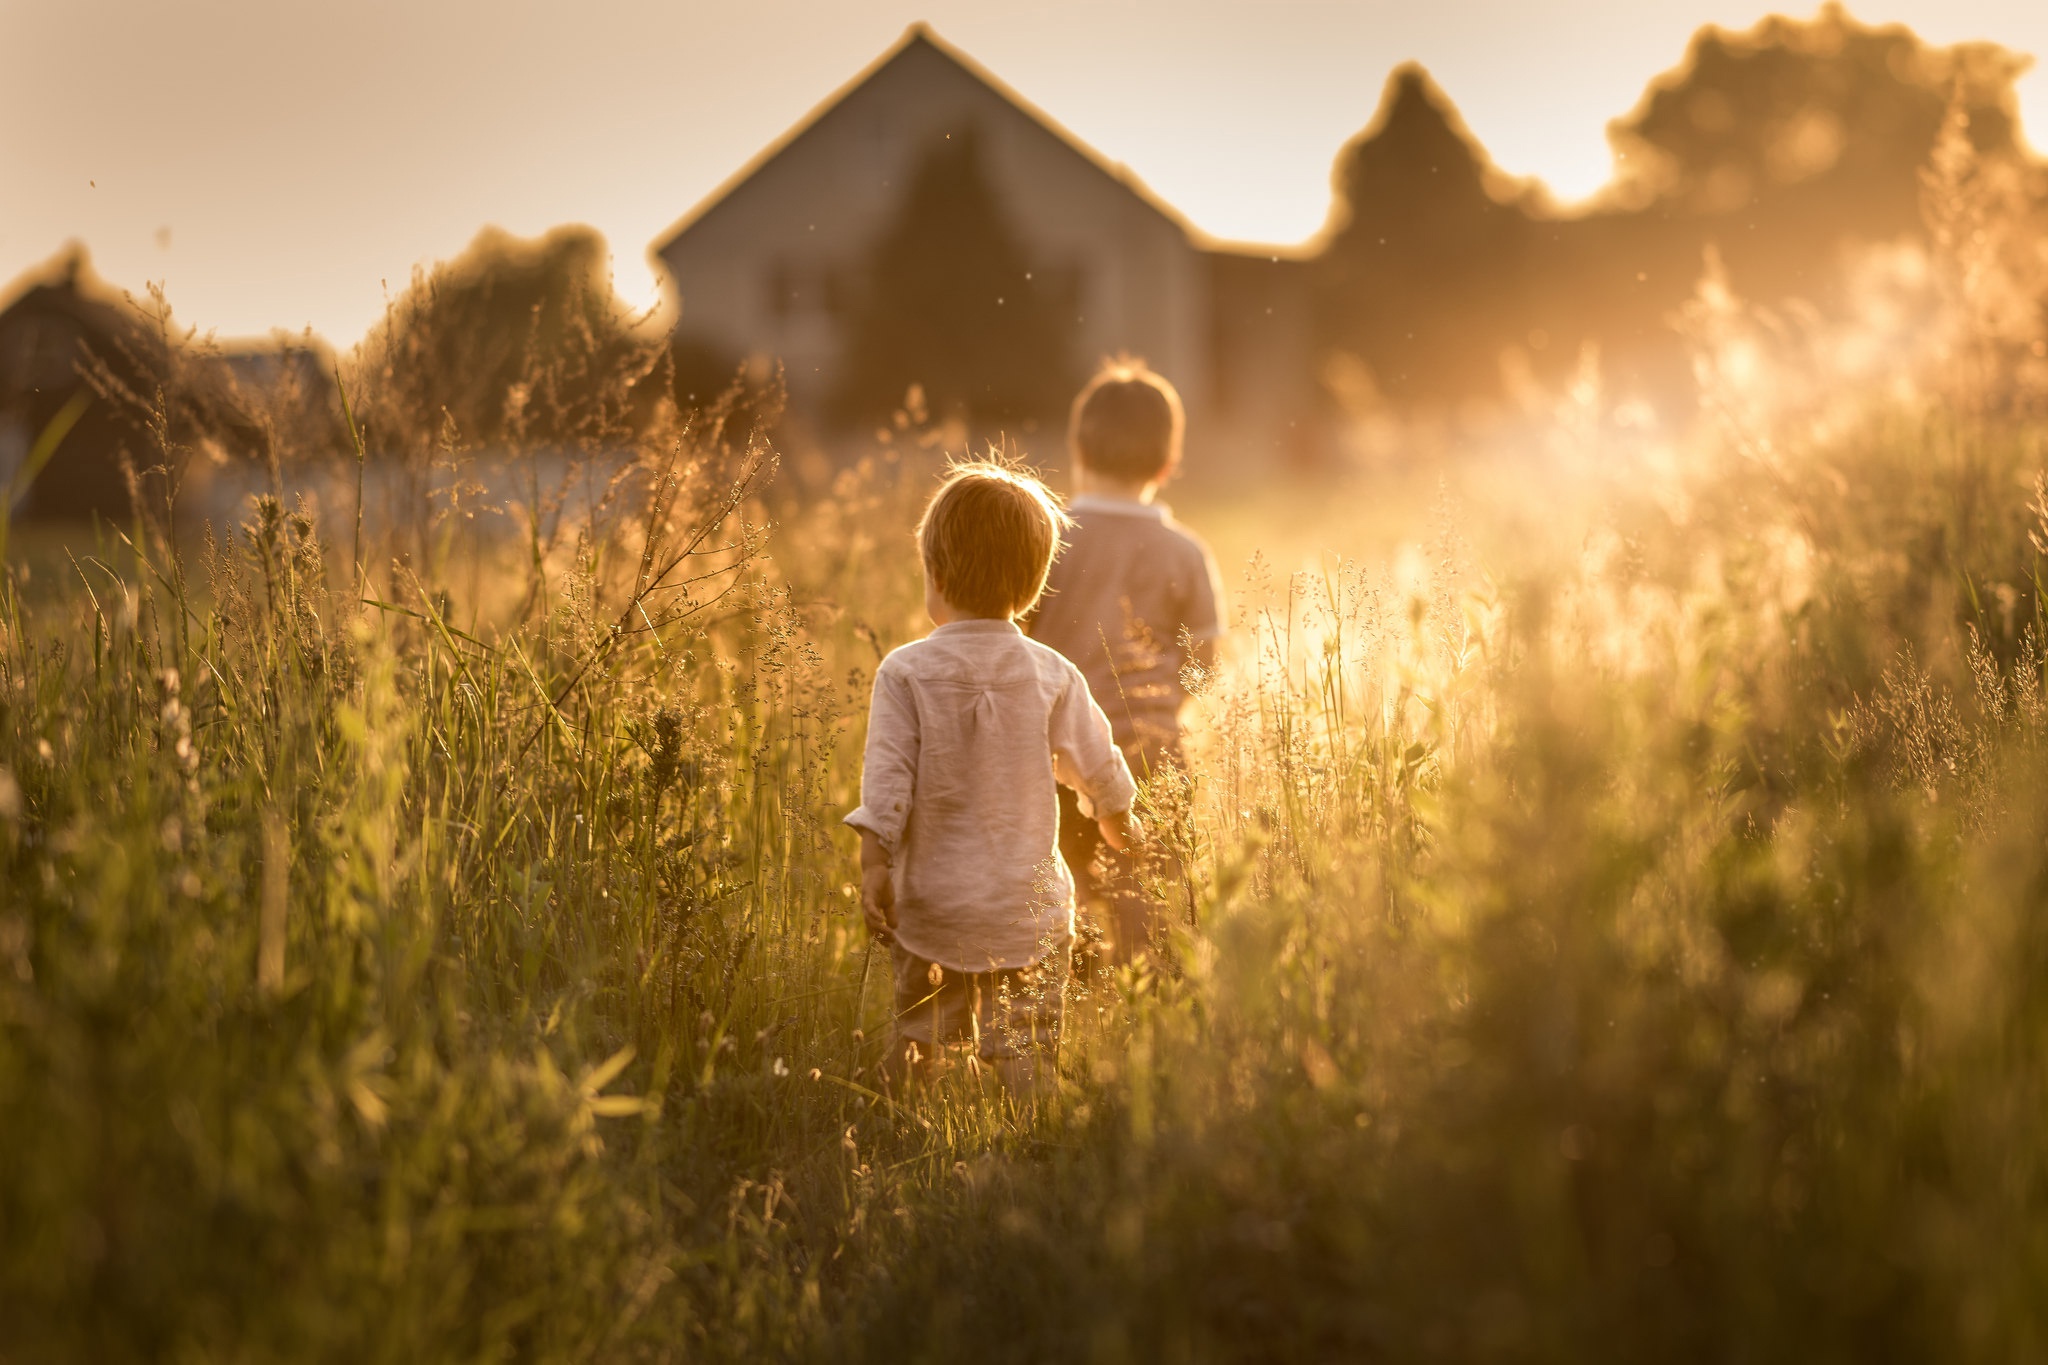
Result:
[[443, 949]]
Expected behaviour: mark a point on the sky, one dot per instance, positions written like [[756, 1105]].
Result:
[[279, 164]]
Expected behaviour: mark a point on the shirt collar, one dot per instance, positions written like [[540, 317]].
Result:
[[981, 625], [1118, 507]]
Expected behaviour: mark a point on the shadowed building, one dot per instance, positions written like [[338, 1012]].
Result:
[[49, 334], [66, 336], [926, 224]]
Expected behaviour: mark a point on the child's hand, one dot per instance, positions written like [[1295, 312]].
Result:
[[877, 891], [878, 900], [1121, 830]]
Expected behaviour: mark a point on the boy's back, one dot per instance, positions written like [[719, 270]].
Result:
[[1128, 583], [969, 731]]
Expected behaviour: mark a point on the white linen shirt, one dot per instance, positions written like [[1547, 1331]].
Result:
[[969, 732]]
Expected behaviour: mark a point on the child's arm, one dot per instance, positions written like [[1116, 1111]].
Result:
[[888, 781], [1085, 757], [877, 887]]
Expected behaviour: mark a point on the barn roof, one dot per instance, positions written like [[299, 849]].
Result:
[[920, 37]]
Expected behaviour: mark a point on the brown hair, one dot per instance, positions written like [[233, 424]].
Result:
[[988, 537], [1127, 422]]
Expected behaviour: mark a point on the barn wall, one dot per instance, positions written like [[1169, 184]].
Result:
[[753, 272]]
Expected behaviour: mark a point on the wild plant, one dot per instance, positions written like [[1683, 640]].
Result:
[[434, 940]]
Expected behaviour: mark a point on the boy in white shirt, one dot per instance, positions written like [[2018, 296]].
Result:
[[971, 732]]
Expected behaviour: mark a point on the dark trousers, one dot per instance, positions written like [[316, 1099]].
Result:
[[1011, 1017], [1107, 891]]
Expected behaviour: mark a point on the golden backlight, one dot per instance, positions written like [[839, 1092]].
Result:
[[273, 164], [1584, 887]]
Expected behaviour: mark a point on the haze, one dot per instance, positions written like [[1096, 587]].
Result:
[[280, 165]]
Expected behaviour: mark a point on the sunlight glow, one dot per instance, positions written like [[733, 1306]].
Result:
[[305, 166]]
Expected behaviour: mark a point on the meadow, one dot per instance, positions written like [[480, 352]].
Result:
[[1612, 908]]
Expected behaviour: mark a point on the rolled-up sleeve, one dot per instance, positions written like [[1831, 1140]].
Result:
[[1084, 752], [888, 775]]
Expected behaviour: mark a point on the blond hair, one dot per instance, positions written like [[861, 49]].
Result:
[[1128, 422], [988, 537]]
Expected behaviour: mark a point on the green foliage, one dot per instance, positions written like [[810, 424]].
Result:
[[1790, 102], [1783, 151], [368, 990], [1431, 251], [512, 341], [1631, 955], [1631, 999]]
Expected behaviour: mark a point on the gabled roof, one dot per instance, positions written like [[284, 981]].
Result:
[[917, 37], [65, 285]]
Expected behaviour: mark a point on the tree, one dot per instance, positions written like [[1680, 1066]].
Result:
[[513, 340], [949, 300], [1773, 148], [1850, 113], [1426, 263]]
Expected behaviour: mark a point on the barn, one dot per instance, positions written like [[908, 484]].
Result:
[[927, 224]]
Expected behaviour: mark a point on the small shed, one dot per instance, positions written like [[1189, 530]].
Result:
[[65, 335]]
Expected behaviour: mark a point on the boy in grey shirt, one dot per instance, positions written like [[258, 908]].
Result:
[[1130, 595], [971, 732]]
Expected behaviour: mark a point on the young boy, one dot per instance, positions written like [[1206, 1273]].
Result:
[[969, 732], [1130, 589]]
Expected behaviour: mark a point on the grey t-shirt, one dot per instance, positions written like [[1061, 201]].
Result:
[[1128, 582]]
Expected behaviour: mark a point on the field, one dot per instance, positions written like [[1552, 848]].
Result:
[[1614, 900]]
